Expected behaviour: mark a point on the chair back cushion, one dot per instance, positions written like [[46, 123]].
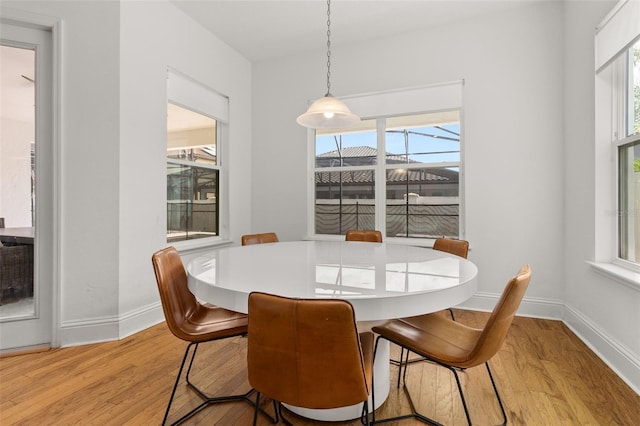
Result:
[[368, 236], [305, 352], [496, 328], [178, 303], [267, 237], [457, 247]]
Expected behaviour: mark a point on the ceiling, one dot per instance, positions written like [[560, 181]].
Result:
[[263, 29]]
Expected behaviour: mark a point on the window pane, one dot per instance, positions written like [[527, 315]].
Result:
[[344, 200], [423, 202], [422, 198], [629, 199], [353, 148], [192, 175], [191, 136], [633, 121], [424, 138], [192, 194]]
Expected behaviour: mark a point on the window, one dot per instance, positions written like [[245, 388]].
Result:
[[193, 175], [617, 137], [195, 121], [628, 147], [345, 190], [422, 159], [399, 173]]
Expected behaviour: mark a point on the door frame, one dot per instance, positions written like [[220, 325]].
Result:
[[52, 241]]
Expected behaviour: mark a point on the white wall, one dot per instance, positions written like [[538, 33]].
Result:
[[114, 62], [528, 123], [155, 36], [88, 196], [512, 68]]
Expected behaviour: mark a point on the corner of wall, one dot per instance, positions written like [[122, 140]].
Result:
[[620, 359], [99, 330]]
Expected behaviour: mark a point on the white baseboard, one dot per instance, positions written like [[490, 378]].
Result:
[[140, 319], [620, 359], [84, 332], [105, 329], [530, 306]]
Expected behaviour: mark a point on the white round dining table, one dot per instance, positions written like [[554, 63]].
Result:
[[381, 280]]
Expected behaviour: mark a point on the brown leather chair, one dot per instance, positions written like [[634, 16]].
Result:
[[457, 247], [454, 345], [371, 236], [308, 353], [193, 322], [267, 237]]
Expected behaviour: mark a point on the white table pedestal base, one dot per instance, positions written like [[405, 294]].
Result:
[[381, 383]]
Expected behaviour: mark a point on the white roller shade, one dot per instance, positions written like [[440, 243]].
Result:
[[617, 31], [185, 91], [439, 97]]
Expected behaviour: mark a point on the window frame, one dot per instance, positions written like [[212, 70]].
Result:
[[194, 164], [422, 100], [195, 96], [617, 32], [621, 115]]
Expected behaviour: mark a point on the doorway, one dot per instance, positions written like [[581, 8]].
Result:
[[26, 187]]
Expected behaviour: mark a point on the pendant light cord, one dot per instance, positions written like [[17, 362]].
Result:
[[328, 112], [328, 48]]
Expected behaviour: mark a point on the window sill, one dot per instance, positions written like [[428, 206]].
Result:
[[622, 275]]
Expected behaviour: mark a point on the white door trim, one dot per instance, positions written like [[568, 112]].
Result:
[[54, 25]]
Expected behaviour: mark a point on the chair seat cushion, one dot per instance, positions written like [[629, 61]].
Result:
[[209, 322], [433, 336]]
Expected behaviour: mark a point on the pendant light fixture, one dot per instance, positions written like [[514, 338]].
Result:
[[328, 112]]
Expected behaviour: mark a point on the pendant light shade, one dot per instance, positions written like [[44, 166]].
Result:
[[328, 112]]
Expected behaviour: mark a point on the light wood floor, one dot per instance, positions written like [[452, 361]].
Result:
[[546, 376]]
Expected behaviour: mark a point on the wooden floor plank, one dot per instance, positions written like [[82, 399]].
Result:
[[545, 374]]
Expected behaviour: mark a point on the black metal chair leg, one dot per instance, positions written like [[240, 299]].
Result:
[[364, 416], [406, 364], [397, 361], [373, 384], [414, 413], [280, 416], [255, 410], [206, 399], [419, 416], [495, 389], [400, 365], [175, 386], [193, 356], [464, 402]]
